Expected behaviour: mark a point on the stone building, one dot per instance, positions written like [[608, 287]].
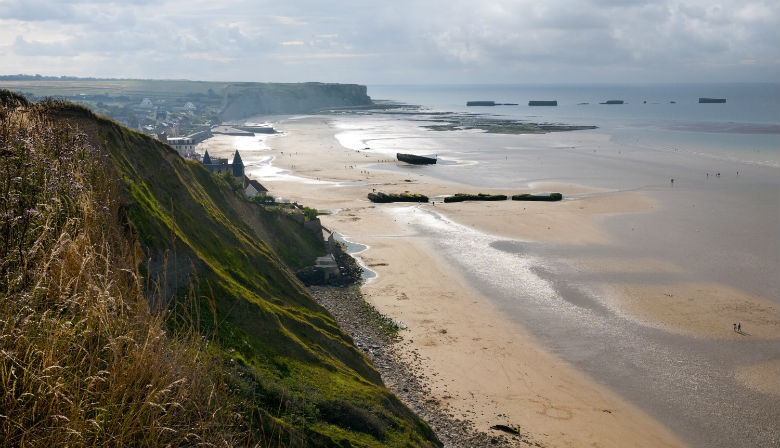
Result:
[[251, 187], [220, 165]]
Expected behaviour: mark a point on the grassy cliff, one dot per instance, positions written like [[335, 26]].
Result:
[[145, 303]]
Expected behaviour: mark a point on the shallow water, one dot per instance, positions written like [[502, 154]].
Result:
[[355, 249], [685, 382]]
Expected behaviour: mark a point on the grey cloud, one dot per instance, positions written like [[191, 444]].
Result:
[[458, 40], [36, 48], [620, 3], [36, 10]]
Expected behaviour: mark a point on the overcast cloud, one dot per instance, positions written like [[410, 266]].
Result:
[[404, 41]]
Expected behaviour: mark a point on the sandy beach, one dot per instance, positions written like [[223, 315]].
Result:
[[479, 361]]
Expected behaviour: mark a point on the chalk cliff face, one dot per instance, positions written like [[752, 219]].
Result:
[[247, 99]]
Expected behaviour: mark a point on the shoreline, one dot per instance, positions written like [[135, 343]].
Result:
[[380, 341], [464, 339], [450, 324]]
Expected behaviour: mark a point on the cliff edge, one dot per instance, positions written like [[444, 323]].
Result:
[[247, 99]]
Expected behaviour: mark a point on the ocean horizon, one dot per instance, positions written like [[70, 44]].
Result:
[[746, 128]]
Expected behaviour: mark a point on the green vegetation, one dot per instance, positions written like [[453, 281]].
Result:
[[310, 213], [82, 360], [143, 302], [397, 197], [460, 197], [552, 197]]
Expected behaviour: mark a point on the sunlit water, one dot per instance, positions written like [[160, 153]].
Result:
[[685, 382]]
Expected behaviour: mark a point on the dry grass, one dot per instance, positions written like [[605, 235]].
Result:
[[83, 362], [86, 361]]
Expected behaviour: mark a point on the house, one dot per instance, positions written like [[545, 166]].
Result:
[[253, 188], [183, 145], [219, 165]]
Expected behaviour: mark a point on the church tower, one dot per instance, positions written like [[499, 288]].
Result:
[[238, 165], [206, 158]]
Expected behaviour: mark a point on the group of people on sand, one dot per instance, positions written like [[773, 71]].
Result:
[[738, 327]]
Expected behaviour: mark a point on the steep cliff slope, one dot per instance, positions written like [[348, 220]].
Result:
[[246, 99], [281, 372]]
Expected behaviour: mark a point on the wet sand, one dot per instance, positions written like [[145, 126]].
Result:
[[488, 362]]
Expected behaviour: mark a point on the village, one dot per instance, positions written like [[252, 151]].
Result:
[[167, 132]]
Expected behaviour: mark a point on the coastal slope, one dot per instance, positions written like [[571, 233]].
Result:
[[208, 262]]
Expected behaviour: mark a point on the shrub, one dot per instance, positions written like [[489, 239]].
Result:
[[310, 213], [263, 199], [345, 414]]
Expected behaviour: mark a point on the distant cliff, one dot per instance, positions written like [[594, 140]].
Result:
[[244, 100], [156, 106]]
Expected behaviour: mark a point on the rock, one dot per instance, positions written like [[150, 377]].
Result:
[[508, 429], [369, 332]]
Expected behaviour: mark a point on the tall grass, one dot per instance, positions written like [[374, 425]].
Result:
[[83, 362]]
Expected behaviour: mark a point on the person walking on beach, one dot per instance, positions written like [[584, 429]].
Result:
[[735, 326], [739, 327]]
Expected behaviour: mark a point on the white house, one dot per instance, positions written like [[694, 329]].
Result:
[[184, 145], [252, 188]]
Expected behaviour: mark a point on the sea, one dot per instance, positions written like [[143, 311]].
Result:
[[713, 170], [745, 128]]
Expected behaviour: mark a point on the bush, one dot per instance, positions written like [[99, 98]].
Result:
[[235, 184], [347, 415], [263, 199], [310, 213]]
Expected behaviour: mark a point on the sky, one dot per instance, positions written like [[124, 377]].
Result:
[[396, 42]]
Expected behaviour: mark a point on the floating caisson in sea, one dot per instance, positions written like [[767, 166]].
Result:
[[480, 103], [416, 160], [712, 100], [543, 103], [488, 103]]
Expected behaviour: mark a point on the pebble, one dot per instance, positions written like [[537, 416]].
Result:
[[358, 319]]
